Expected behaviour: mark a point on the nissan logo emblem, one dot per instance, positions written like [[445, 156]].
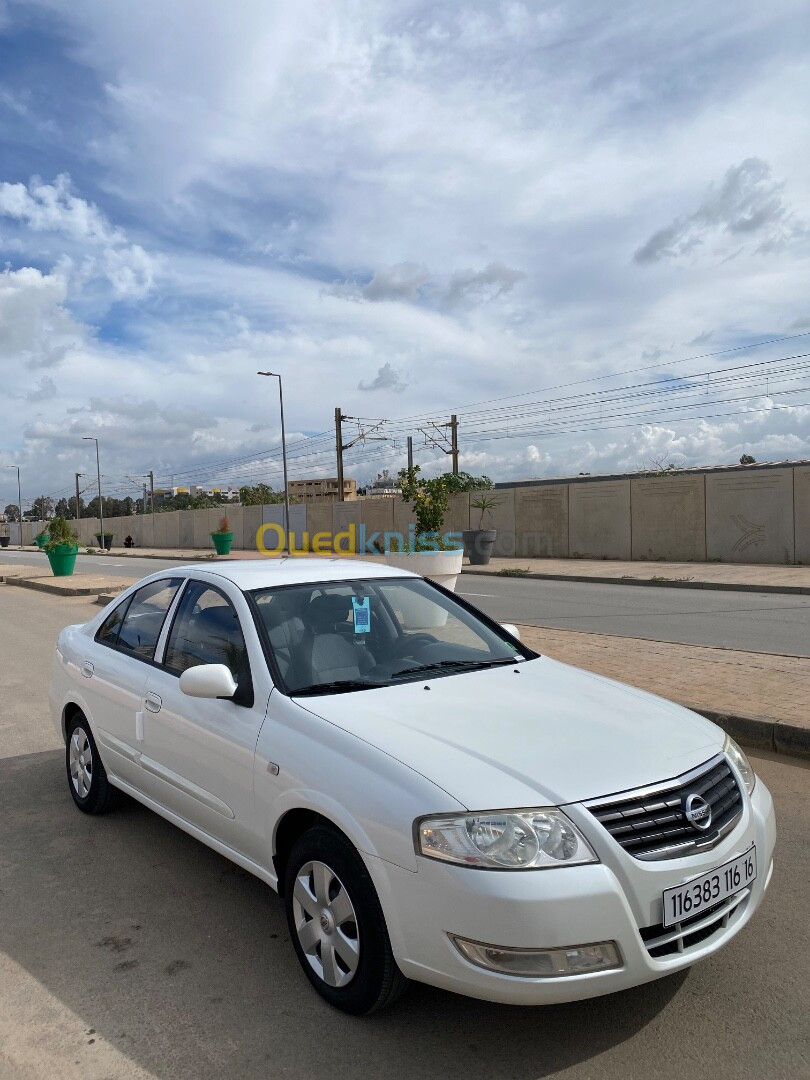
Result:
[[698, 812]]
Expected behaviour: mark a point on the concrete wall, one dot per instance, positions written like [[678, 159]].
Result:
[[749, 517], [753, 515], [669, 518], [501, 518], [599, 520], [801, 503], [541, 522], [457, 518]]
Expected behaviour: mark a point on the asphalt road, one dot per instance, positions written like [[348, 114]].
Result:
[[759, 622], [130, 951]]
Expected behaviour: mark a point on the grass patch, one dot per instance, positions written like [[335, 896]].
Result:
[[514, 571]]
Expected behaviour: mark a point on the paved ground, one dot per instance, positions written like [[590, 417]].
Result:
[[128, 950], [760, 622]]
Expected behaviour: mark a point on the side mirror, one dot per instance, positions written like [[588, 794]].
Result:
[[208, 681], [509, 627]]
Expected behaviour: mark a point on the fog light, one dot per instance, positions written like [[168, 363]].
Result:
[[540, 963]]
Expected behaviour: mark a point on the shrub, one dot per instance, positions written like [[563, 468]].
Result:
[[60, 532]]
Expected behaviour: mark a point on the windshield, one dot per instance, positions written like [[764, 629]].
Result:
[[332, 637]]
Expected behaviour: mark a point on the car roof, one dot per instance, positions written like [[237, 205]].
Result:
[[248, 574]]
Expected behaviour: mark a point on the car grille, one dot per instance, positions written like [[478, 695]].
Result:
[[669, 941], [651, 823]]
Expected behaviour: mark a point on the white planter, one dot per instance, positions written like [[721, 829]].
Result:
[[443, 567]]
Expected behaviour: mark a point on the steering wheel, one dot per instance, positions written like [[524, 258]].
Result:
[[414, 642]]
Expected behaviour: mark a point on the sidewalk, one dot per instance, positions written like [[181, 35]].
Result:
[[743, 577], [761, 699]]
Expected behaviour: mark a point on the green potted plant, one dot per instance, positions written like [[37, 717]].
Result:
[[223, 536], [478, 543], [41, 538], [104, 540], [61, 547]]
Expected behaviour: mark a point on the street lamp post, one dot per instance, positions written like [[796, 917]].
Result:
[[19, 499], [91, 438], [273, 375]]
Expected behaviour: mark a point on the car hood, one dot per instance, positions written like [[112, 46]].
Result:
[[548, 734]]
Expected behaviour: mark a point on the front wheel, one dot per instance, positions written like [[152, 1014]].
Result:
[[337, 925], [86, 776]]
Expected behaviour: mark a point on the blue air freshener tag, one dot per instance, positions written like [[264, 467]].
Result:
[[362, 614]]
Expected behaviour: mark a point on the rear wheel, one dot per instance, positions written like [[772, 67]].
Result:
[[337, 926], [87, 779]]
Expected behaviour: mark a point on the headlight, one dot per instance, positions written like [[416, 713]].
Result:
[[741, 763], [504, 840]]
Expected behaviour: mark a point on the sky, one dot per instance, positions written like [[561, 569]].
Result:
[[513, 212]]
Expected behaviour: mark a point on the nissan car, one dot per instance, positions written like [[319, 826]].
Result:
[[432, 799]]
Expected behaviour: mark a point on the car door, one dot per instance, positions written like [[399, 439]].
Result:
[[116, 666], [199, 753]]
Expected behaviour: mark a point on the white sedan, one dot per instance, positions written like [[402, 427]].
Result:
[[432, 799]]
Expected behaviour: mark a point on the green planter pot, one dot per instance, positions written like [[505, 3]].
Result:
[[63, 559], [222, 542], [41, 541]]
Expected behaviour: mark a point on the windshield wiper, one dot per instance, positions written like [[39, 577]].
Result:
[[338, 686], [458, 664]]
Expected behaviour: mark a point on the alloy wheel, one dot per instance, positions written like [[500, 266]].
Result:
[[326, 923], [81, 762]]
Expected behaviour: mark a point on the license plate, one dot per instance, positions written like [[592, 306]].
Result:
[[688, 900]]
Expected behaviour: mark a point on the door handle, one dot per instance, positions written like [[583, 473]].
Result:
[[153, 702], [87, 669]]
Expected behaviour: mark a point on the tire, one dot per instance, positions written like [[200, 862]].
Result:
[[83, 764], [343, 944]]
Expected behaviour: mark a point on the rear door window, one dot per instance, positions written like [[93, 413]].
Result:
[[140, 629]]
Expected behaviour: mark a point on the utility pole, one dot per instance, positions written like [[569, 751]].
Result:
[[275, 375], [410, 452], [78, 512], [151, 476], [19, 500], [454, 442], [143, 509], [92, 438], [339, 449]]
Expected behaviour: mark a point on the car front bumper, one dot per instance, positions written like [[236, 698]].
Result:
[[609, 901]]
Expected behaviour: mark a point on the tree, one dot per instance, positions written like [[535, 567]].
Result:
[[427, 497], [63, 509], [746, 459], [12, 512], [463, 481], [43, 507], [259, 495]]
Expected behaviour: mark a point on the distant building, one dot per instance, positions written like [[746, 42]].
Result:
[[323, 490], [383, 486], [196, 491]]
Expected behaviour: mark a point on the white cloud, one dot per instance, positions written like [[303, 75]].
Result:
[[36, 328], [54, 208]]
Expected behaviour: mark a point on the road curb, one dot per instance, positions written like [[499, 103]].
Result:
[[760, 732], [666, 583], [56, 588]]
